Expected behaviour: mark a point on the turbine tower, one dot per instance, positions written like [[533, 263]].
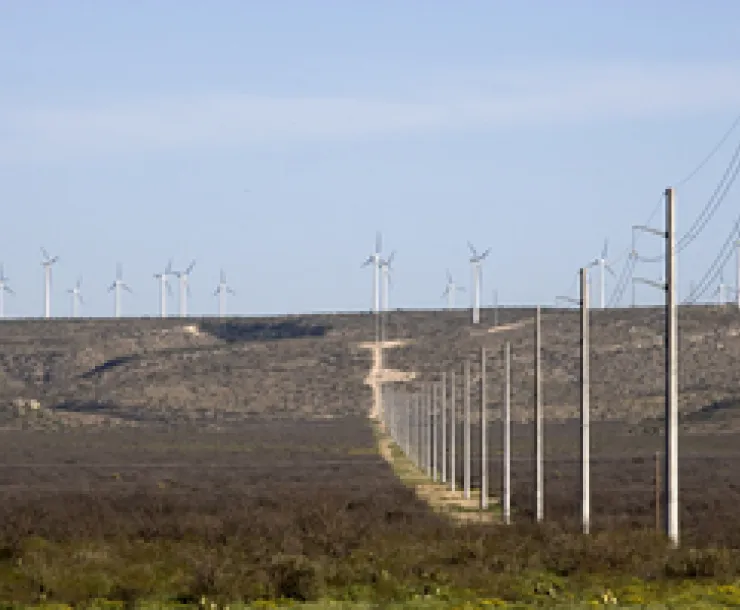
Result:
[[450, 289], [221, 290], [3, 289], [164, 288], [46, 263], [374, 260], [117, 285], [184, 277], [475, 262], [385, 276], [603, 265], [721, 289], [76, 293]]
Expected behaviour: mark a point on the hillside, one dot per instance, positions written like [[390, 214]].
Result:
[[131, 371]]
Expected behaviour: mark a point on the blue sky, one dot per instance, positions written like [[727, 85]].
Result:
[[272, 139]]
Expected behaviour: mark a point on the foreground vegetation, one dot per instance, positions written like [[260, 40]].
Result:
[[289, 512]]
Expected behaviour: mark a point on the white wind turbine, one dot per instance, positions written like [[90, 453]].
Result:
[[76, 293], [374, 260], [46, 264], [184, 277], [221, 290], [385, 275], [164, 288], [475, 261], [117, 285], [603, 265], [3, 289], [721, 290], [450, 289]]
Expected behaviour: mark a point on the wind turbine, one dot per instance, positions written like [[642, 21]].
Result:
[[385, 275], [450, 289], [3, 289], [721, 290], [46, 264], [221, 290], [164, 288], [603, 266], [184, 276], [117, 285], [374, 260], [76, 293], [475, 261]]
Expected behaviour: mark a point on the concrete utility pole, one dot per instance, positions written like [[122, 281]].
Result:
[[443, 426], [435, 432], [671, 366], [538, 436], [483, 433], [585, 407], [453, 431], [506, 441], [671, 356], [737, 274], [466, 433]]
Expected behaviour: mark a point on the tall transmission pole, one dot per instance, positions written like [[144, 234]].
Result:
[[737, 274], [585, 407], [671, 357], [483, 433], [466, 431], [506, 441], [671, 366], [538, 448]]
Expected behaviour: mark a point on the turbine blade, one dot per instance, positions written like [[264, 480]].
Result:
[[449, 277], [126, 288], [378, 242], [605, 249], [230, 290], [190, 267], [8, 289], [45, 254], [168, 268], [486, 253], [473, 250], [390, 258]]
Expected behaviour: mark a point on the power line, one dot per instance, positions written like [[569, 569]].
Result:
[[711, 154], [715, 269]]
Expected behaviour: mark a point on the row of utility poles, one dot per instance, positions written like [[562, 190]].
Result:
[[424, 425], [413, 417]]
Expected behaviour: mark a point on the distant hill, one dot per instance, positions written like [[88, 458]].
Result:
[[132, 371]]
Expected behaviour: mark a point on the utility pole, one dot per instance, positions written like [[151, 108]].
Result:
[[506, 441], [466, 433], [671, 366], [443, 426], [737, 275], [428, 400], [538, 448], [453, 431], [483, 433], [583, 302], [585, 407], [435, 430]]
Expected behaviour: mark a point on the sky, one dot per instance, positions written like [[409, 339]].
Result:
[[273, 139]]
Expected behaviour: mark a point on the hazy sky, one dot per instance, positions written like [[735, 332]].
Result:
[[273, 138]]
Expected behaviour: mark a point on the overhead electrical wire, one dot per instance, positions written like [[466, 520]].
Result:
[[717, 266]]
